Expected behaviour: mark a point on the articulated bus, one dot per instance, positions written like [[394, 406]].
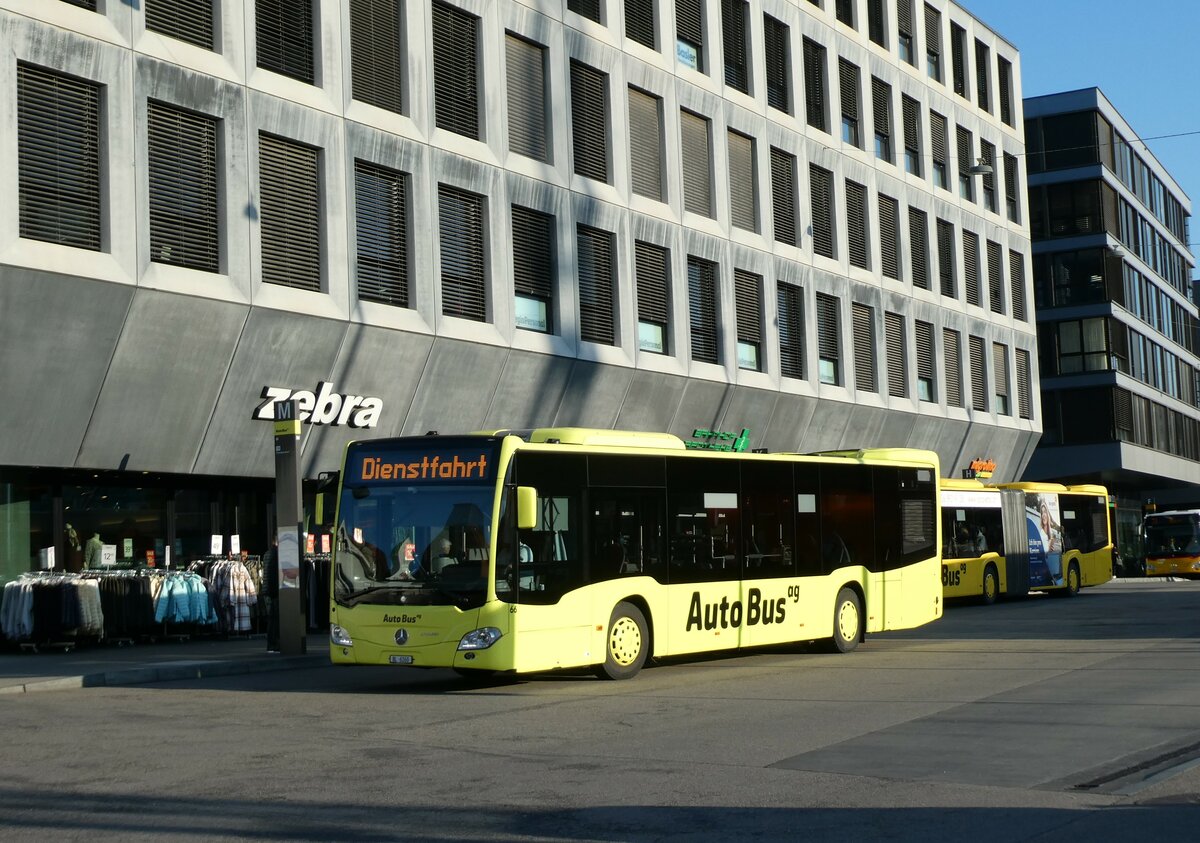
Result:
[[533, 550], [1172, 543], [1013, 538]]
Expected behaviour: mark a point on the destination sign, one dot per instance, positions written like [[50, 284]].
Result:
[[440, 466]]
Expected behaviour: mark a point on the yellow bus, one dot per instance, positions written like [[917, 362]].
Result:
[[533, 550], [1013, 538], [1172, 543]]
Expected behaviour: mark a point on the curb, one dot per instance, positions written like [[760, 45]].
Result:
[[167, 673]]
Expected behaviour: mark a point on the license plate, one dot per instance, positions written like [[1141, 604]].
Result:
[[400, 659]]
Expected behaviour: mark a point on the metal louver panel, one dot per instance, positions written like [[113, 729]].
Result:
[[783, 195], [589, 9], [918, 236], [733, 32], [460, 238], [964, 142], [848, 78], [688, 22], [864, 347], [284, 37], [945, 238], [526, 70], [182, 163], [971, 266], [923, 334], [979, 398], [814, 85], [1016, 277], [828, 330], [844, 10], [952, 366], [533, 253], [1004, 72], [856, 224], [877, 22], [455, 75], [1000, 372], [645, 144], [881, 106], [775, 45], [933, 29], [58, 157], [937, 136], [652, 276], [995, 281], [982, 67], [821, 188], [702, 306], [958, 59], [376, 62], [596, 317], [1010, 177], [911, 114], [897, 364], [697, 164], [988, 153], [889, 236], [747, 296], [904, 17], [791, 330], [289, 210], [1024, 395], [741, 182], [639, 22], [589, 121], [381, 226], [187, 20]]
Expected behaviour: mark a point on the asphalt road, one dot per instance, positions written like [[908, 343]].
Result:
[[1039, 719]]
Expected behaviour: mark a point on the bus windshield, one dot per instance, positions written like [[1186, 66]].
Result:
[[1172, 535]]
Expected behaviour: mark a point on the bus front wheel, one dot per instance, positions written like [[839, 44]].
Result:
[[627, 644], [1073, 579], [847, 621], [991, 585]]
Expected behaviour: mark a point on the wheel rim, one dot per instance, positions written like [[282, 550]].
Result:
[[625, 641], [848, 620], [1073, 577], [989, 585]]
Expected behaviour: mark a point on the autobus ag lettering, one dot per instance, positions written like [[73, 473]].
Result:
[[763, 611], [727, 615]]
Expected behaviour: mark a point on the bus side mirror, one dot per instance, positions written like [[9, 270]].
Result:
[[526, 507], [326, 498]]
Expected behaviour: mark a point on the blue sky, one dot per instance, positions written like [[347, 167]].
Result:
[[1142, 55]]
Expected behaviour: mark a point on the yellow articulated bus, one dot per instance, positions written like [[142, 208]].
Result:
[[533, 550], [1172, 542], [1013, 538]]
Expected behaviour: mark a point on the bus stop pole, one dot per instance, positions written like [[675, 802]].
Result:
[[288, 521]]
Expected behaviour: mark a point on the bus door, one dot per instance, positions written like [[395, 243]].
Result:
[[1016, 541]]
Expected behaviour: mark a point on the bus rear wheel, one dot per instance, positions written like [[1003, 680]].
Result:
[[991, 585], [847, 621], [627, 644]]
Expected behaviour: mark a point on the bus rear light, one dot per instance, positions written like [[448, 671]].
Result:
[[480, 639]]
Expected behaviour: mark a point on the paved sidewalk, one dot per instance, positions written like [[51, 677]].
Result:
[[137, 664]]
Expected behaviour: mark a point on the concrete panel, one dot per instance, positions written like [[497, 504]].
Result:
[[751, 409], [788, 428], [57, 336], [594, 395], [945, 436], [827, 429], [375, 362], [701, 406], [890, 429], [456, 387], [530, 390], [276, 348], [651, 401], [163, 383]]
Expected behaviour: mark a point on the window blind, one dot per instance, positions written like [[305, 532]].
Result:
[[897, 364], [182, 177], [381, 227], [526, 79], [187, 20], [697, 163], [821, 188], [742, 210], [589, 121], [455, 73], [460, 237], [863, 318], [595, 254], [783, 196], [376, 62], [284, 37], [702, 305], [289, 210]]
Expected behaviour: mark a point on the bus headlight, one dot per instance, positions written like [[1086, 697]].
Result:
[[480, 639], [339, 636]]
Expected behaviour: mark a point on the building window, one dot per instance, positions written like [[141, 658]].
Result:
[[1016, 279], [697, 164], [58, 157], [829, 341], [186, 20], [689, 33], [461, 222], [589, 9], [702, 306], [733, 30], [1011, 187], [815, 86], [897, 362], [945, 238], [863, 317], [924, 338], [747, 297], [856, 225], [1004, 71], [1000, 365], [904, 31], [970, 242], [779, 65], [965, 143], [848, 77], [376, 59], [533, 269], [881, 107], [182, 158], [918, 246], [651, 268], [455, 70], [979, 400], [589, 121], [526, 76], [821, 191], [783, 196], [790, 301], [877, 22], [983, 64], [889, 237], [958, 59], [933, 43], [995, 281], [284, 37], [289, 211], [743, 195], [639, 22], [1024, 391], [382, 231], [597, 320], [911, 112], [987, 152], [645, 144], [952, 366], [939, 141]]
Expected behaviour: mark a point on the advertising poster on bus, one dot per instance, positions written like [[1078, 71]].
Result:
[[1045, 539]]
